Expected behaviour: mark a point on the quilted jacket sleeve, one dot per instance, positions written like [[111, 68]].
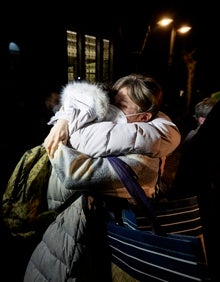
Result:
[[155, 139]]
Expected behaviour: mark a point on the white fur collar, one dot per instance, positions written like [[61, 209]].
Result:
[[88, 93]]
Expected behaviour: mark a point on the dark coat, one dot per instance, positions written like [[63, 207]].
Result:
[[199, 173]]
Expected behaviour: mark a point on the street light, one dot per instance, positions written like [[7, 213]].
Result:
[[183, 29]]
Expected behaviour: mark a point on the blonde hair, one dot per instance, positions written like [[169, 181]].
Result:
[[144, 91]]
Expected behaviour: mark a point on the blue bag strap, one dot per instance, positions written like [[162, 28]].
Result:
[[129, 179]]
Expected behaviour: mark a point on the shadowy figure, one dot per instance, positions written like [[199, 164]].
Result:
[[198, 173]]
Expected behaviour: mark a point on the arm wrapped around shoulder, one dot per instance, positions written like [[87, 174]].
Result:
[[73, 171]]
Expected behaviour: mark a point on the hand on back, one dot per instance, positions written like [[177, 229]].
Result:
[[58, 133]]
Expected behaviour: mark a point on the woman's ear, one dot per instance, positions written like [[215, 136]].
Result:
[[146, 117]]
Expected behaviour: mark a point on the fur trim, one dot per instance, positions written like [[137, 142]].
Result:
[[90, 94]]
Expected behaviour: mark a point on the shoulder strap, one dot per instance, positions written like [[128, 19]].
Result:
[[129, 179], [69, 201]]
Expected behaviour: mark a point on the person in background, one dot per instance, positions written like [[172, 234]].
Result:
[[198, 173], [50, 104], [202, 109]]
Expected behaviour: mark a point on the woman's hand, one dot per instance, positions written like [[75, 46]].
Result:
[[58, 133]]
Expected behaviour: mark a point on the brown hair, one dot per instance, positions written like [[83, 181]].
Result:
[[144, 91]]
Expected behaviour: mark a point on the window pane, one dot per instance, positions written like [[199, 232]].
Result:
[[106, 60], [72, 54], [90, 58]]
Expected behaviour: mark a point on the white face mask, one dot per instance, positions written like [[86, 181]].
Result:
[[131, 115]]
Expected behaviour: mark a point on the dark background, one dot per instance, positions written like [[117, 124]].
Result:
[[127, 23]]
